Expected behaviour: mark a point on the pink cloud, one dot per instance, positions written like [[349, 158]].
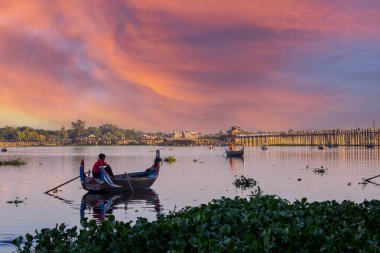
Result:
[[202, 65]]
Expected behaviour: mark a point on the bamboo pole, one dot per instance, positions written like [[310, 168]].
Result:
[[61, 185]]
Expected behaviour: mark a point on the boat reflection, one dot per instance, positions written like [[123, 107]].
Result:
[[100, 206], [236, 163]]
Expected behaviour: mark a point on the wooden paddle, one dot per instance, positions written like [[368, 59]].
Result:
[[62, 184]]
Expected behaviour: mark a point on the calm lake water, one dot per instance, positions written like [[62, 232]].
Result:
[[284, 171]]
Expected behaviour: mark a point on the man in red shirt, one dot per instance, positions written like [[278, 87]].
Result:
[[101, 162]]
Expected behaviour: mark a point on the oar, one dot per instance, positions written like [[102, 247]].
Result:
[[130, 186], [371, 178], [62, 184]]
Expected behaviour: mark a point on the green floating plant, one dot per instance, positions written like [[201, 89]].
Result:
[[244, 182], [17, 162], [261, 223], [170, 159], [320, 171]]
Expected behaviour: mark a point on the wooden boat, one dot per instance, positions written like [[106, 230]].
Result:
[[330, 145], [321, 146], [122, 182], [235, 153], [4, 149], [264, 146], [370, 145]]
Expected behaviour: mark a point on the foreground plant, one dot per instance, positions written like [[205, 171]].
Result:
[[17, 162], [259, 224]]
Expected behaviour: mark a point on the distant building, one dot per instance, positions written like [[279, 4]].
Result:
[[184, 135], [175, 134], [235, 130], [145, 137]]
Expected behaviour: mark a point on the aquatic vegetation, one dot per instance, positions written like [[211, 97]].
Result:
[[17, 201], [320, 171], [244, 182], [262, 223], [170, 159], [17, 162]]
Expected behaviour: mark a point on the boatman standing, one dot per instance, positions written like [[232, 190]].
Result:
[[98, 164]]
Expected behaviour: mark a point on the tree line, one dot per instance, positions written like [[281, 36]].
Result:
[[78, 130]]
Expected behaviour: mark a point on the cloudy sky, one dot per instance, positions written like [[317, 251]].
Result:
[[199, 65]]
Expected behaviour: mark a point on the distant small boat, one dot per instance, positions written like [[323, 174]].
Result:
[[264, 146], [321, 146], [4, 149], [235, 153], [370, 145], [330, 145]]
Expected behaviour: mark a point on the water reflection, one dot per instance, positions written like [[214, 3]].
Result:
[[102, 205], [235, 163], [183, 183]]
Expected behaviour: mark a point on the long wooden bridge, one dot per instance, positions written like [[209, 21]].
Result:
[[346, 137]]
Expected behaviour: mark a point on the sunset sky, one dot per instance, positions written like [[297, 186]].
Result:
[[190, 65]]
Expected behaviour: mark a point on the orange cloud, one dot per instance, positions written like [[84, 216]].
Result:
[[179, 64]]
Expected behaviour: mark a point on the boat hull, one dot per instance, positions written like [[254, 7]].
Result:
[[233, 153], [121, 183]]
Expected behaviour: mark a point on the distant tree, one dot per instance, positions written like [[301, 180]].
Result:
[[93, 130], [21, 136], [9, 133], [41, 137], [130, 134], [108, 128], [110, 131], [62, 134], [119, 134], [78, 128]]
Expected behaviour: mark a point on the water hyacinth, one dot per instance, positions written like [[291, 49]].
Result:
[[17, 162], [262, 223], [170, 159], [244, 182], [320, 171]]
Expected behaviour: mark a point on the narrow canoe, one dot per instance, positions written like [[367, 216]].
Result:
[[235, 153], [121, 182]]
